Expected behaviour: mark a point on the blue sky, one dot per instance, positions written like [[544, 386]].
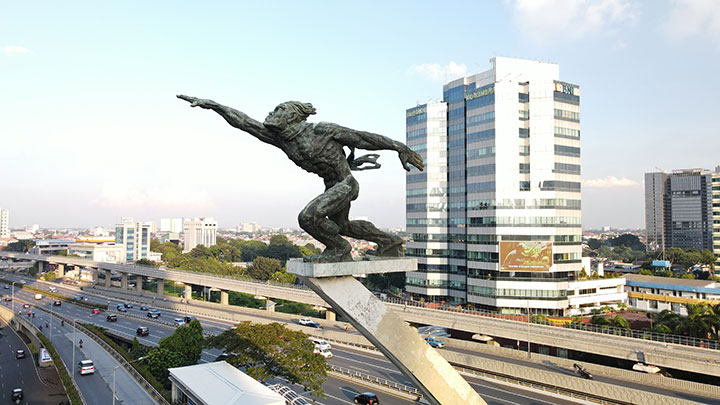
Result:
[[90, 129]]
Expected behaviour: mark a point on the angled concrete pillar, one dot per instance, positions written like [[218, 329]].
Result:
[[108, 278], [123, 281], [223, 297], [161, 286], [138, 283], [330, 315], [439, 382]]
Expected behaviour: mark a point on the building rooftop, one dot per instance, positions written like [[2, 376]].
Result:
[[671, 281], [221, 383]]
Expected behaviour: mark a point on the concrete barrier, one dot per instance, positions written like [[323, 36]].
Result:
[[21, 325]]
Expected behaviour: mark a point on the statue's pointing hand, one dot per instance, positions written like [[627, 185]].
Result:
[[408, 156], [194, 101]]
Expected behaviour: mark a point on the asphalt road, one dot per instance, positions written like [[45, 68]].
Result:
[[22, 373], [369, 363]]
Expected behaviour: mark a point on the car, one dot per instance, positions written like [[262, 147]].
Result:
[[189, 319], [26, 306], [111, 318], [153, 313], [144, 308], [20, 354], [222, 356], [320, 344], [142, 331], [57, 303], [314, 324], [323, 352], [179, 322], [38, 296], [86, 367], [434, 342], [7, 287], [23, 282], [367, 398], [121, 308], [52, 289], [8, 299], [305, 321], [17, 394], [128, 305], [95, 311], [79, 297]]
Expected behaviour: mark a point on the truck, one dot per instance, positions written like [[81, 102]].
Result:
[[38, 296]]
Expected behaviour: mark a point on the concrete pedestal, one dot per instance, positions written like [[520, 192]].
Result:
[[188, 292], [60, 270], [108, 278], [138, 283], [224, 298], [124, 281], [400, 343], [160, 287], [330, 315]]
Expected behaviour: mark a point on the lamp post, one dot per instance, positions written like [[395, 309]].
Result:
[[120, 365], [74, 321]]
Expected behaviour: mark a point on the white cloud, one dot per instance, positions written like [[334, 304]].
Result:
[[434, 71], [118, 194], [16, 50], [688, 18], [541, 20], [609, 182]]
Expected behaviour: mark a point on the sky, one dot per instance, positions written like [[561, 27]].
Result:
[[91, 131]]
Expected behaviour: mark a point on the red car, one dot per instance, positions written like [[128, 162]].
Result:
[[95, 311]]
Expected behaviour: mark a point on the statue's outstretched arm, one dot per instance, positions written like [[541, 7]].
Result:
[[236, 118], [370, 141]]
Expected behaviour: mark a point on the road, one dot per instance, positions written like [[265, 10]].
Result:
[[22, 373]]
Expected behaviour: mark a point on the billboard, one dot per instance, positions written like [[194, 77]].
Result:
[[526, 256]]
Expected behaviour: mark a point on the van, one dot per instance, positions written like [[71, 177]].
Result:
[[38, 296], [87, 367]]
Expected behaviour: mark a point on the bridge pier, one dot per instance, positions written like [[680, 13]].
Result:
[[108, 278], [124, 281], [160, 287], [60, 270], [188, 292], [330, 315], [224, 297], [138, 283], [41, 266]]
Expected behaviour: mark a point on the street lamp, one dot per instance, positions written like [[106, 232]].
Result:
[[120, 365], [13, 296]]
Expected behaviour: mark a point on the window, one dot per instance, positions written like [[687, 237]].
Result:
[[569, 133], [571, 151], [566, 168], [524, 132], [524, 115], [524, 168], [524, 150], [567, 115], [524, 186]]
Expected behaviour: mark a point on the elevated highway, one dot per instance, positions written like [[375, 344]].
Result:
[[667, 355]]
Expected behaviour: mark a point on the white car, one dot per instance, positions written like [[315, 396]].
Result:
[[320, 344], [87, 367], [305, 321], [179, 322], [323, 352]]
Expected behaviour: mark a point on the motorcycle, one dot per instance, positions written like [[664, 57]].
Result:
[[80, 343], [47, 325], [40, 328], [582, 372]]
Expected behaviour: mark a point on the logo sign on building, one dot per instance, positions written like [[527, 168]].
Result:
[[566, 88], [415, 112], [486, 91], [526, 256]]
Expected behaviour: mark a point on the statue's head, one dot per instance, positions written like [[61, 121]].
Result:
[[287, 114]]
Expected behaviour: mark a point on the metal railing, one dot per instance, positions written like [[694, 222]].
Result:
[[376, 380]]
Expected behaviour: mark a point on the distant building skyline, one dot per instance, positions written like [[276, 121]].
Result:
[[4, 223], [199, 231]]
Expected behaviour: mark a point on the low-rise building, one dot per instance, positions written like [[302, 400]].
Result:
[[50, 246], [655, 294], [586, 295], [219, 383], [107, 253]]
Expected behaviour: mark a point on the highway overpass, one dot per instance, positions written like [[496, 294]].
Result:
[[667, 355]]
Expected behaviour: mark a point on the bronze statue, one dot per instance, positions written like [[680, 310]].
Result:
[[318, 148]]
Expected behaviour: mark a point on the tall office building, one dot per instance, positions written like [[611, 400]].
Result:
[[199, 231], [495, 218], [171, 225], [135, 236], [4, 223], [682, 209]]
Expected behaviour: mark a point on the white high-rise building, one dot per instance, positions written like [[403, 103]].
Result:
[[135, 236], [171, 225], [199, 231], [4, 223], [495, 217]]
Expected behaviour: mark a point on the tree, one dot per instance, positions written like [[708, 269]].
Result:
[[145, 262], [159, 360], [22, 246], [594, 244], [280, 240], [187, 341], [629, 240], [272, 350], [49, 276], [599, 320], [283, 277], [620, 322], [263, 267]]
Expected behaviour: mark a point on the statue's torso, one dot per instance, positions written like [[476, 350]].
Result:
[[317, 152]]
